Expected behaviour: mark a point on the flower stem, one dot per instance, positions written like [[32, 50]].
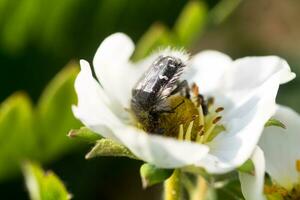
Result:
[[172, 190], [201, 189]]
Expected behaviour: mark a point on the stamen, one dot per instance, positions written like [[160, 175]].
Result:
[[195, 89], [197, 98], [210, 102], [200, 133], [181, 133], [298, 165], [201, 128], [219, 109], [201, 116], [209, 131], [217, 119], [218, 129], [200, 138], [188, 134]]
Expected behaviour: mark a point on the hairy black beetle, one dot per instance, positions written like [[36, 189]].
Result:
[[158, 83]]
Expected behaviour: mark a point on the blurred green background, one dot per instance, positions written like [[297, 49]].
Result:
[[38, 38]]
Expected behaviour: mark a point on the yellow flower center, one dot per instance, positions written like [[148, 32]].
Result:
[[190, 121], [192, 118], [275, 192]]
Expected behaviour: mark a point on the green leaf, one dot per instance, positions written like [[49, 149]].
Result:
[[275, 122], [17, 140], [54, 114], [24, 13], [247, 167], [157, 35], [152, 175], [187, 28], [37, 133], [84, 134], [222, 11], [43, 185], [191, 22], [107, 147]]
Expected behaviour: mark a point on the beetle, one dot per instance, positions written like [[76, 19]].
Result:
[[149, 96]]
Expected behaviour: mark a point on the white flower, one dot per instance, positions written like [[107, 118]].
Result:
[[246, 88], [280, 159]]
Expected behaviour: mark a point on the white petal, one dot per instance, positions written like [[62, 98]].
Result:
[[215, 165], [253, 185], [250, 72], [113, 68], [207, 67], [164, 152], [281, 148], [247, 74], [244, 126], [249, 103], [93, 107]]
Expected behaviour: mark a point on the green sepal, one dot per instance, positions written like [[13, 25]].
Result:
[[43, 185], [248, 167], [151, 175], [84, 134], [275, 122], [108, 147], [191, 22], [199, 171]]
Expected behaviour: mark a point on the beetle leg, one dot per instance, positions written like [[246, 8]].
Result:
[[162, 110], [183, 88]]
